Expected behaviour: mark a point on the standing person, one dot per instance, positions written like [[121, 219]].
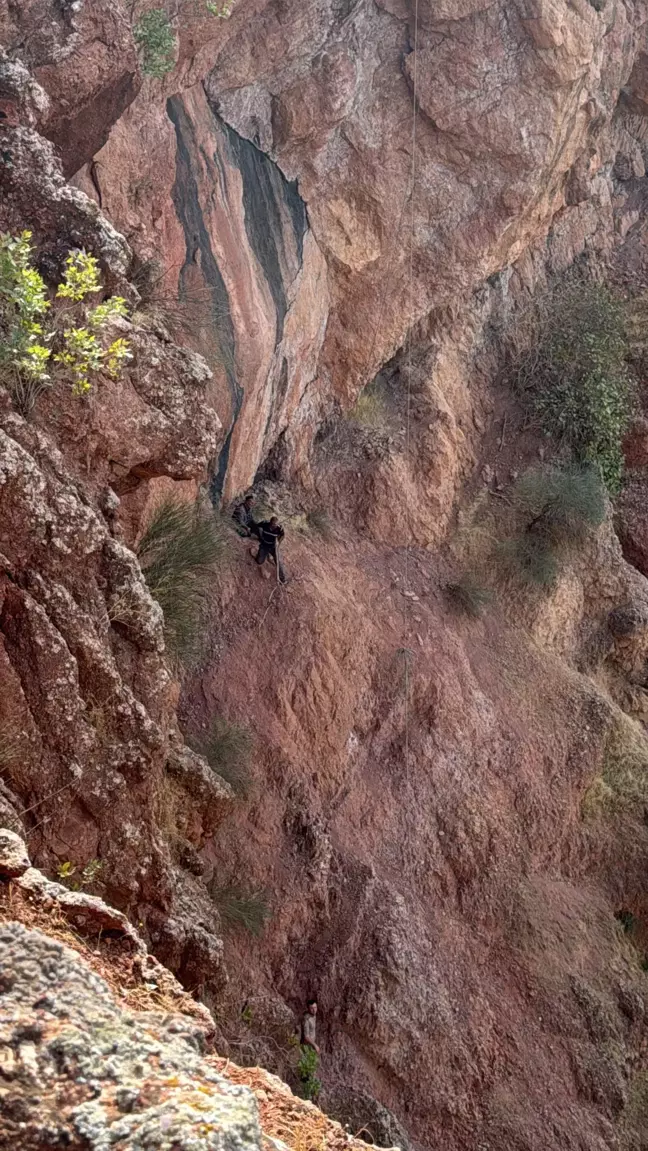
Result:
[[243, 517], [309, 1026], [270, 534]]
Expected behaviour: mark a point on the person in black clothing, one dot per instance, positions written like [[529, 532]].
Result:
[[270, 534], [243, 517]]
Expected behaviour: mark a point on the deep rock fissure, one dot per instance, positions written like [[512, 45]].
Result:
[[189, 212]]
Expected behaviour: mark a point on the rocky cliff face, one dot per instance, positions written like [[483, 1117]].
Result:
[[101, 1045], [85, 683], [516, 104], [415, 817]]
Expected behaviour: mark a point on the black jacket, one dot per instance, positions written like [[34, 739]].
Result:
[[270, 536]]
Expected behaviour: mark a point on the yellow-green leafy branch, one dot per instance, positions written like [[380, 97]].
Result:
[[39, 339]]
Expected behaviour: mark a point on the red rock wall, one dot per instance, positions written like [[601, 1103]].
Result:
[[447, 904], [90, 745], [514, 107]]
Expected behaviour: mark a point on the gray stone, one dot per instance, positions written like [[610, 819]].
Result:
[[86, 1070], [14, 860]]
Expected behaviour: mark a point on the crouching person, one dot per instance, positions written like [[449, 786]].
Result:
[[243, 517]]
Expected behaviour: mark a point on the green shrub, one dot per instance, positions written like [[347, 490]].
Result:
[[561, 504], [240, 908], [556, 508], [469, 596], [575, 378], [319, 522], [154, 37], [307, 1068], [228, 749], [78, 880], [627, 920], [531, 558], [39, 342], [180, 551], [220, 8]]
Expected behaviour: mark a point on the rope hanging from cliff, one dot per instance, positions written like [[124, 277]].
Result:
[[409, 355]]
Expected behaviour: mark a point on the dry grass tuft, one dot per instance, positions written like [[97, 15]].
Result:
[[180, 552], [468, 595], [240, 908], [369, 410], [297, 1123], [228, 748], [319, 522], [622, 785], [111, 958]]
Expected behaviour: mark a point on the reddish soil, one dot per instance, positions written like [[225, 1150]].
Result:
[[429, 874]]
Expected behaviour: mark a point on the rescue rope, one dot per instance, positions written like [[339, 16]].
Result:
[[409, 365]]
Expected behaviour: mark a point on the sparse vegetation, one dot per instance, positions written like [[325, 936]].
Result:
[[40, 342], [574, 374], [318, 521], [220, 8], [622, 785], [469, 596], [307, 1068], [530, 558], [563, 503], [180, 551], [627, 920], [556, 508], [155, 39], [196, 315], [240, 908], [228, 749], [77, 880], [369, 409]]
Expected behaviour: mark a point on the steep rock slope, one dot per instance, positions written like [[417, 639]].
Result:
[[87, 709], [429, 874], [83, 1069], [415, 820]]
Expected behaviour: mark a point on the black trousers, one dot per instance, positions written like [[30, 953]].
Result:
[[269, 551]]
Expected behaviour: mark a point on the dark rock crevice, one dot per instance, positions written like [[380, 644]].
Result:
[[266, 196], [189, 212], [275, 222]]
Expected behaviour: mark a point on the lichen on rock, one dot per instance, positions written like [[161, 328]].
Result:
[[80, 1071]]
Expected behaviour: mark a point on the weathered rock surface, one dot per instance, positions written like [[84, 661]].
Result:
[[87, 707], [101, 1045], [14, 860], [81, 1072], [427, 866], [516, 130], [84, 681], [84, 56]]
